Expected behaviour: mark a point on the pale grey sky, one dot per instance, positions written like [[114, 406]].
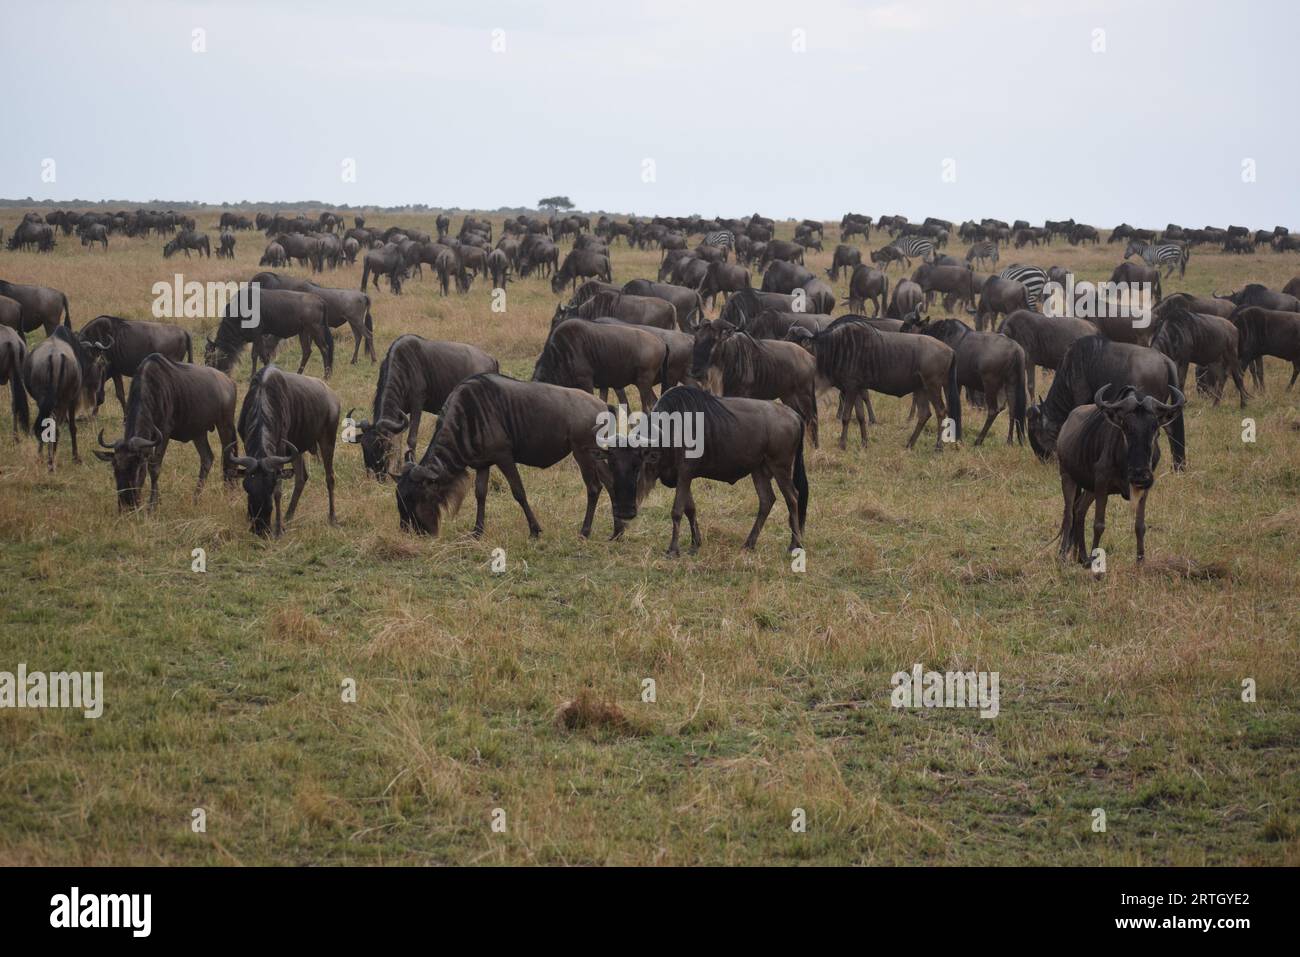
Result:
[[718, 94]]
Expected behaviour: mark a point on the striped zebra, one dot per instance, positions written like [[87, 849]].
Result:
[[984, 250], [911, 246], [1161, 254], [721, 237], [1031, 277]]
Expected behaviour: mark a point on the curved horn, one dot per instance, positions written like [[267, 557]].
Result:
[[243, 461], [1166, 407], [139, 443], [107, 445]]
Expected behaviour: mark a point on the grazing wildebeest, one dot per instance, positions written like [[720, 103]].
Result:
[[98, 233], [725, 278], [888, 255], [282, 314], [226, 245], [273, 255], [744, 307], [284, 416], [186, 240], [908, 297], [1188, 337], [581, 264], [1043, 338], [815, 295], [867, 284], [733, 363], [688, 303], [1093, 362], [170, 400], [498, 265], [416, 376], [350, 249], [955, 283], [853, 356], [999, 295], [13, 357], [40, 305], [844, 257], [740, 437], [988, 364], [1108, 448], [341, 305], [1253, 294], [635, 310], [492, 420], [589, 356], [132, 341], [1267, 332], [780, 250], [385, 261], [62, 373], [772, 324]]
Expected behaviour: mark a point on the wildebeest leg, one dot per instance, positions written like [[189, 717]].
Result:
[[679, 509], [647, 394], [871, 413], [1140, 525], [862, 423], [325, 448], [304, 340], [356, 341], [785, 483], [1295, 373], [991, 402], [299, 481], [591, 479], [844, 413], [763, 486], [1257, 372], [921, 403], [279, 525], [413, 433], [511, 472], [480, 497], [1082, 501], [72, 434], [121, 396], [205, 466], [1030, 370], [1098, 523]]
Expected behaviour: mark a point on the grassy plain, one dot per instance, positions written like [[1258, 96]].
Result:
[[224, 688]]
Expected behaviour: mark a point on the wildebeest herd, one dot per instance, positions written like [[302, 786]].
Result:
[[751, 373]]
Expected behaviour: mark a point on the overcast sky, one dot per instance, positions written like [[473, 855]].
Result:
[[807, 108]]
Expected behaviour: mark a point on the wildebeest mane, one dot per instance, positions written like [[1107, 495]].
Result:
[[150, 397], [263, 416]]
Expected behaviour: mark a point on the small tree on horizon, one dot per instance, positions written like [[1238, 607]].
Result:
[[555, 202]]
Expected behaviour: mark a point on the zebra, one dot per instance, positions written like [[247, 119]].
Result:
[[911, 246], [1161, 254], [721, 237], [983, 251], [1031, 277]]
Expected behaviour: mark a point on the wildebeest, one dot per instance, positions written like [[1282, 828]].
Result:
[[725, 278], [13, 357], [61, 374], [844, 257], [780, 250], [733, 363], [687, 303], [341, 305], [581, 264], [132, 341], [98, 233], [273, 255], [489, 420], [170, 400], [282, 314], [1106, 448], [1188, 337], [853, 356], [1044, 339], [888, 255], [226, 245], [1267, 332], [186, 240], [955, 283], [385, 261], [740, 437], [40, 306], [987, 363], [908, 297], [416, 376], [1095, 361], [593, 302], [588, 356], [284, 416], [867, 284], [997, 296]]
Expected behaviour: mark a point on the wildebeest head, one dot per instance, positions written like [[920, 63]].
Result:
[[708, 336], [632, 471], [914, 322], [1042, 433], [424, 494], [171, 247], [1140, 418], [128, 458], [262, 478], [376, 441]]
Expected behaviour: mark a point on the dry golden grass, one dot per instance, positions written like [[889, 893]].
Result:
[[224, 689]]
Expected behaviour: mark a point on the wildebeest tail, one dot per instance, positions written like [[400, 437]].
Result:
[[67, 313], [1176, 428], [801, 483], [953, 398], [22, 418], [663, 368], [329, 342], [370, 323], [189, 348], [46, 400]]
